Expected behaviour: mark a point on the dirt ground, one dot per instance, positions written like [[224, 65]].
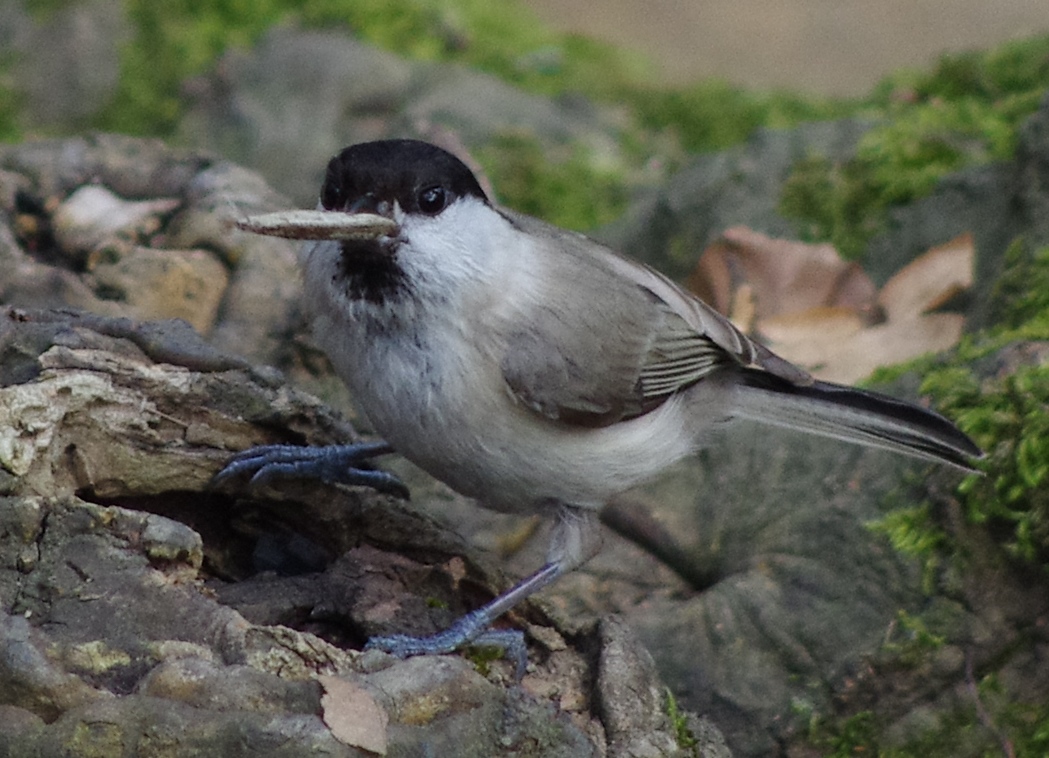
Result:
[[836, 47]]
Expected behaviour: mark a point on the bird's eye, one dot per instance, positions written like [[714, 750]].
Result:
[[432, 200]]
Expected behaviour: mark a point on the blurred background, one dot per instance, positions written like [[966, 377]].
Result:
[[828, 601], [829, 47]]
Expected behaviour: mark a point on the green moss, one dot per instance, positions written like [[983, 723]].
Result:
[[1020, 297], [964, 112], [913, 533], [998, 392], [172, 42], [895, 163], [184, 38], [959, 731], [912, 641], [176, 40], [996, 75], [1011, 421], [505, 39], [1007, 414], [679, 723], [845, 738], [905, 158], [713, 115], [531, 181], [833, 202], [967, 730], [1026, 724], [482, 657]]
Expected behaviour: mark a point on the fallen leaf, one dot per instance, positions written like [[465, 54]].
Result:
[[887, 344], [785, 275], [930, 280], [823, 313], [353, 715], [809, 337]]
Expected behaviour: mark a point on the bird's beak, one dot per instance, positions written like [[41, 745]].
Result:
[[353, 224]]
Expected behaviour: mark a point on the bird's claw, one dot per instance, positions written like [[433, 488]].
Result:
[[334, 464], [510, 641]]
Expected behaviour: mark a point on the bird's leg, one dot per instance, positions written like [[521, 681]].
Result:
[[576, 540], [334, 464], [473, 627]]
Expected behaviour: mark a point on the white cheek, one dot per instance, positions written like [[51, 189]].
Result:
[[461, 246]]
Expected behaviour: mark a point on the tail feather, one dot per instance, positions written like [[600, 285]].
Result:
[[855, 415]]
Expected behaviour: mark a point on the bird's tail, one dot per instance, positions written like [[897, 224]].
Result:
[[854, 415]]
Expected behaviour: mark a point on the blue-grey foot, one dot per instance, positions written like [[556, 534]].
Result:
[[334, 464], [473, 628], [510, 642]]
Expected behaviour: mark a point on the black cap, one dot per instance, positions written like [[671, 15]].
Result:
[[420, 177]]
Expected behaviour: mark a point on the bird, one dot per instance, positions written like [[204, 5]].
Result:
[[530, 367]]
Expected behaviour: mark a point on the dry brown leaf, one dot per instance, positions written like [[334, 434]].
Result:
[[888, 344], [712, 278], [930, 280], [818, 311], [808, 337], [744, 310], [786, 276], [353, 715]]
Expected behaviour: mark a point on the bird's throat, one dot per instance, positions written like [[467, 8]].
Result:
[[371, 272]]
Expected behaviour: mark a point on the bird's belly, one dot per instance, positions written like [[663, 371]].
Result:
[[451, 415], [512, 459]]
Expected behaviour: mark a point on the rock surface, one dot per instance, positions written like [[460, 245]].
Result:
[[136, 620]]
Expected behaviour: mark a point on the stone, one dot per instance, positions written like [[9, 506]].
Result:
[[135, 617]]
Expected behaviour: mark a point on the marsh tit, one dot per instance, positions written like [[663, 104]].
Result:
[[530, 367]]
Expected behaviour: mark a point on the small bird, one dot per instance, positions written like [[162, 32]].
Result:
[[530, 367]]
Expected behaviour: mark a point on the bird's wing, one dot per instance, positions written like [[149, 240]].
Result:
[[618, 341], [704, 320]]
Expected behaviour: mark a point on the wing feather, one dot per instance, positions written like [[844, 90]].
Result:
[[622, 341]]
